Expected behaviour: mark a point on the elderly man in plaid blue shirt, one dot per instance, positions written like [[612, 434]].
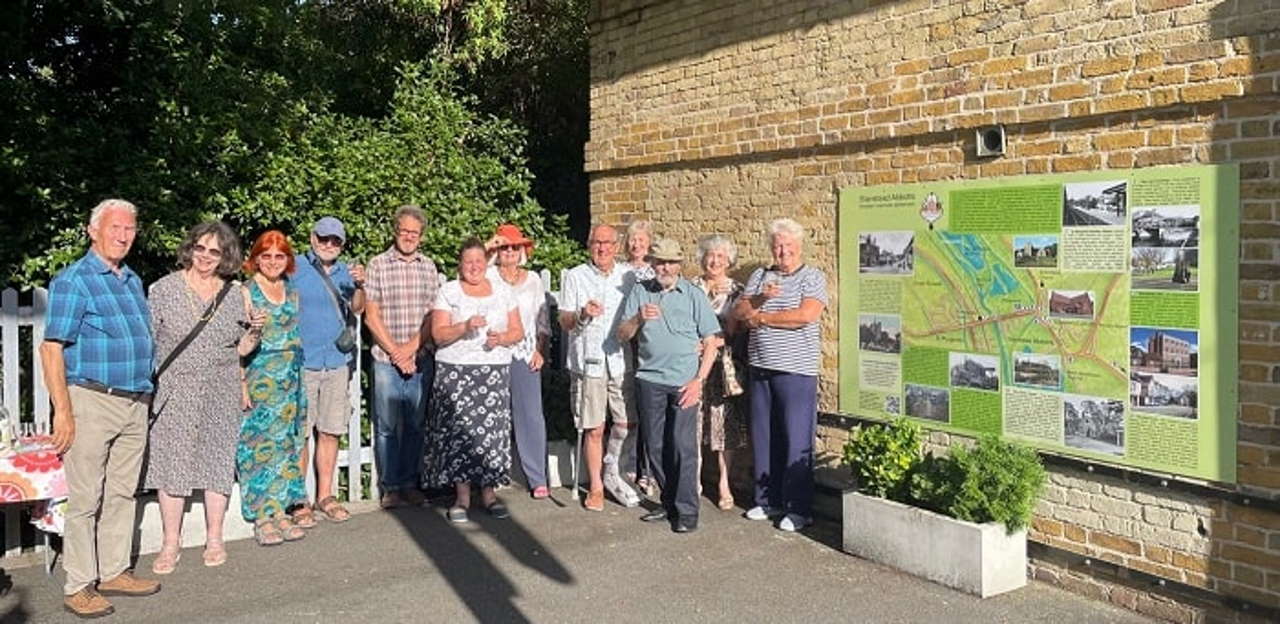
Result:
[[98, 357]]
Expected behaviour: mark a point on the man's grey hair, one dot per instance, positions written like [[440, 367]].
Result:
[[412, 211], [717, 241], [785, 226], [103, 206]]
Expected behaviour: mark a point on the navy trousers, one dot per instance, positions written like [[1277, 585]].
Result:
[[671, 445], [784, 417]]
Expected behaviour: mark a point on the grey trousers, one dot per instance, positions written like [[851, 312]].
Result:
[[102, 469], [529, 424]]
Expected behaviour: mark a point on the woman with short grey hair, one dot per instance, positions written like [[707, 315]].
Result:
[[722, 425], [781, 307], [192, 443]]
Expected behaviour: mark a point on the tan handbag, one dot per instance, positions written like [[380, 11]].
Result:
[[732, 378]]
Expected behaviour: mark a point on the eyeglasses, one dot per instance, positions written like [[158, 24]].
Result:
[[510, 247], [213, 252], [603, 243], [273, 256], [332, 241], [406, 232]]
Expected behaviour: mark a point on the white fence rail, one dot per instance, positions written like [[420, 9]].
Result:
[[23, 376]]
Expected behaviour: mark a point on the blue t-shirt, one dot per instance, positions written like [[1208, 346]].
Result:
[[668, 346], [319, 320], [103, 321]]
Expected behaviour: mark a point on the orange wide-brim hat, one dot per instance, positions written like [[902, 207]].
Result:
[[509, 234]]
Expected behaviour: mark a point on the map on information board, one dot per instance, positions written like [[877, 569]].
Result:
[[1089, 314]]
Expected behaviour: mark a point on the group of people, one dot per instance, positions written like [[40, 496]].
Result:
[[214, 381]]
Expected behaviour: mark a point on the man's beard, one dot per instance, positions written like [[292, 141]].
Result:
[[667, 281]]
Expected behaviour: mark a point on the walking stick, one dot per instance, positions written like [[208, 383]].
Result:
[[577, 459]]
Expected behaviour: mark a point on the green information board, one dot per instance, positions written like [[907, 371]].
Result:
[[1089, 314]]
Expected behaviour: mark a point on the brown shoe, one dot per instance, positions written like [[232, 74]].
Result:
[[391, 500], [594, 501], [87, 603], [126, 584], [413, 496]]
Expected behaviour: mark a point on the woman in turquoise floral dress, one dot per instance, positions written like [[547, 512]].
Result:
[[271, 436]]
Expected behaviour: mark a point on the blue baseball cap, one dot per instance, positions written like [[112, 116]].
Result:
[[329, 226]]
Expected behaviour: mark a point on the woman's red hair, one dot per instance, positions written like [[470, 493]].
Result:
[[267, 241]]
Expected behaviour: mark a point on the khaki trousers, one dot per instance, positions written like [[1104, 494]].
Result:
[[102, 469]]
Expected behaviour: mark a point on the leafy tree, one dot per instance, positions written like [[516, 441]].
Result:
[[201, 108], [466, 171]]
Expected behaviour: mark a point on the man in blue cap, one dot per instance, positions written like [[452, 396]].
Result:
[[331, 294]]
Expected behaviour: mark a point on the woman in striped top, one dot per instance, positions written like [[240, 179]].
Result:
[[781, 306]]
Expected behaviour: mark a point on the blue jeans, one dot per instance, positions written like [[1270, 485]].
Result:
[[400, 414]]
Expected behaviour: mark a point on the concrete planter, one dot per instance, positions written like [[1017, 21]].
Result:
[[975, 558]]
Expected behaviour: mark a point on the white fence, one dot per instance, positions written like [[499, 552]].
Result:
[[15, 318]]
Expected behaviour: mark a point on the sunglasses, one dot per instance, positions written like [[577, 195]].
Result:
[[332, 241], [209, 251], [510, 247]]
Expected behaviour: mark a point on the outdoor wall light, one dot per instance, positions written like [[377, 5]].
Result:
[[990, 141]]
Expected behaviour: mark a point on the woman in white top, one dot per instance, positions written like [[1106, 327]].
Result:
[[475, 321], [508, 251]]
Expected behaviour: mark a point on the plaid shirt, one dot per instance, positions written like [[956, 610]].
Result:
[[404, 290], [105, 324]]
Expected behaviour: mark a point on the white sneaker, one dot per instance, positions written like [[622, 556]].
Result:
[[762, 513], [794, 522], [619, 489]]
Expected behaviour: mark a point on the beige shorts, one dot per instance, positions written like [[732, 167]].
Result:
[[328, 403], [592, 398]]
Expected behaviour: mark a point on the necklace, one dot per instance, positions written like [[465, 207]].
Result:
[[202, 317]]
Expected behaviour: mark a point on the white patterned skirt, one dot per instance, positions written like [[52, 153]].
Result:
[[469, 426]]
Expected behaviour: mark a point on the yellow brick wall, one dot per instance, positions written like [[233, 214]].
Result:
[[719, 116]]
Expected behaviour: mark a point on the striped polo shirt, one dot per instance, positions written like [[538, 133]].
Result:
[[103, 321], [787, 350]]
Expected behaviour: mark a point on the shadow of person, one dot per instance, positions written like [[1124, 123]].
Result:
[[479, 584]]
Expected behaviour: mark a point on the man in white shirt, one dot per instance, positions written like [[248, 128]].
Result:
[[592, 296]]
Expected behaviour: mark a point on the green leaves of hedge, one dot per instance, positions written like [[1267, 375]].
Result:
[[995, 481]]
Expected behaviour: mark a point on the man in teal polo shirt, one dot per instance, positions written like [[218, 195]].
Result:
[[678, 339]]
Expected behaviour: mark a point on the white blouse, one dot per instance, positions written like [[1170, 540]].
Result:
[[469, 349], [531, 298]]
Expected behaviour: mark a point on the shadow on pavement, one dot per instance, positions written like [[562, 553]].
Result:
[[478, 583]]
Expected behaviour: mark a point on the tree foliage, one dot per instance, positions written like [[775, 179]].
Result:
[[261, 112]]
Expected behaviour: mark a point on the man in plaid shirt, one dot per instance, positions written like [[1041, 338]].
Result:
[[400, 288], [98, 356]]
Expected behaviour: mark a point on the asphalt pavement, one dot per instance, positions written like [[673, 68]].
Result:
[[551, 562]]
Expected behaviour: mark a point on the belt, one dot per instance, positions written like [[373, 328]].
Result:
[[137, 397]]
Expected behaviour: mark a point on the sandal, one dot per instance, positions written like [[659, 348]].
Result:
[[725, 503], [540, 492], [214, 554], [166, 561], [266, 533], [332, 510], [304, 517], [289, 531]]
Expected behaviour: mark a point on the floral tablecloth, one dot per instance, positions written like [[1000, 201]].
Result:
[[36, 476]]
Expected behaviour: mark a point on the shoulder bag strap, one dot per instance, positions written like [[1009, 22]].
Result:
[[195, 331], [343, 310]]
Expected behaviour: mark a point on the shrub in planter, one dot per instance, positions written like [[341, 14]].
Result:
[[883, 458], [995, 481]]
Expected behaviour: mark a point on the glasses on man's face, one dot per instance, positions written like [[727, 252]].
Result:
[[332, 241], [604, 243], [408, 233], [212, 252]]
